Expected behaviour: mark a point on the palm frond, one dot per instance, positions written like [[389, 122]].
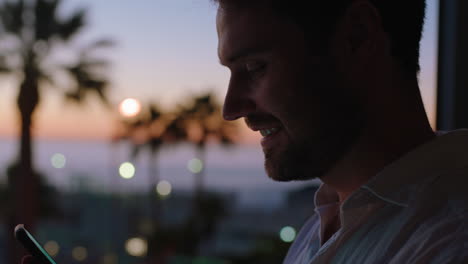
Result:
[[205, 113], [74, 96], [72, 25], [86, 81], [102, 43], [46, 23], [11, 16], [175, 130], [227, 132], [155, 114], [94, 63], [102, 94]]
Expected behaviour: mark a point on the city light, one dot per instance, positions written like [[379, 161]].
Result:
[[287, 234], [164, 188], [129, 107], [136, 247], [52, 248], [127, 170], [58, 160], [195, 165], [79, 253]]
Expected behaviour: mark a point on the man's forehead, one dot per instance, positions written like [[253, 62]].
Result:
[[244, 33]]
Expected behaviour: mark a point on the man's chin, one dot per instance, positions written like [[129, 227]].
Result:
[[275, 174], [285, 168]]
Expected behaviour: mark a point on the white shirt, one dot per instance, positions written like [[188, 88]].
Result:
[[414, 211]]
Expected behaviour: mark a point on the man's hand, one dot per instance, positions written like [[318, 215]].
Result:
[[29, 260]]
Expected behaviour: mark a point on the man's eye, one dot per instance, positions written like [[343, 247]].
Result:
[[254, 67]]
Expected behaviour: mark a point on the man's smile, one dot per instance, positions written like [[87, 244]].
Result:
[[270, 137], [269, 131]]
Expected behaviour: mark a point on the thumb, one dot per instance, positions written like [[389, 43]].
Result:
[[28, 260]]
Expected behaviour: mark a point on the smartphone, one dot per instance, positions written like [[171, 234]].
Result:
[[32, 246]]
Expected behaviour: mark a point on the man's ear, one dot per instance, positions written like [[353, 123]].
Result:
[[357, 33]]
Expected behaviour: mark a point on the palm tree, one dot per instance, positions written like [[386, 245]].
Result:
[[31, 31], [152, 129], [198, 121], [204, 122]]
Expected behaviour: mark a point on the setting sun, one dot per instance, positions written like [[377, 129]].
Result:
[[129, 107]]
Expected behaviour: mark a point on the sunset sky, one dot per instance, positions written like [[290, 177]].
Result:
[[166, 51]]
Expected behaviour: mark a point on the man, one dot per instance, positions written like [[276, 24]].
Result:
[[332, 87]]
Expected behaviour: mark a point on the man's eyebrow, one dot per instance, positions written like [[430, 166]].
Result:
[[241, 53]]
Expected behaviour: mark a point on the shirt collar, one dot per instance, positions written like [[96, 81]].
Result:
[[325, 195], [398, 182]]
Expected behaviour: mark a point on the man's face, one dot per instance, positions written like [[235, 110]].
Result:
[[287, 90]]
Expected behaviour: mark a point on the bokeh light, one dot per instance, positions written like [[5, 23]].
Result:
[[136, 247], [287, 234], [58, 160], [164, 188], [52, 248], [129, 107], [79, 253], [195, 165], [127, 170]]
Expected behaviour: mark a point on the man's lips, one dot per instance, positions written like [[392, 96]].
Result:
[[271, 137], [266, 130], [269, 131], [268, 125]]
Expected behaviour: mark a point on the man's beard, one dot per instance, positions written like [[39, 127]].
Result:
[[317, 154], [324, 134]]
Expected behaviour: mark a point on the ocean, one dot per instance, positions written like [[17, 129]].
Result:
[[94, 165]]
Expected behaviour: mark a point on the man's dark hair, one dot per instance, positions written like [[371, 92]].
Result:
[[402, 19]]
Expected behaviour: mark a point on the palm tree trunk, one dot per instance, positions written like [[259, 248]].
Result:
[[23, 180], [153, 180], [28, 99], [196, 222], [25, 156], [200, 176]]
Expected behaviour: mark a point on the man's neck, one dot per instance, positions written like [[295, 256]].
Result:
[[396, 124], [371, 154]]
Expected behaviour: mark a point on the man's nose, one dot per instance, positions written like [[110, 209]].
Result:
[[238, 102]]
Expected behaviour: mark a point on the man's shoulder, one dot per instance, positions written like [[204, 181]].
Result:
[[446, 185], [451, 186], [434, 222], [443, 200], [439, 222]]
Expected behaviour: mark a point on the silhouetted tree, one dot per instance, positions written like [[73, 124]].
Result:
[[30, 33], [197, 122], [204, 122], [150, 130]]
